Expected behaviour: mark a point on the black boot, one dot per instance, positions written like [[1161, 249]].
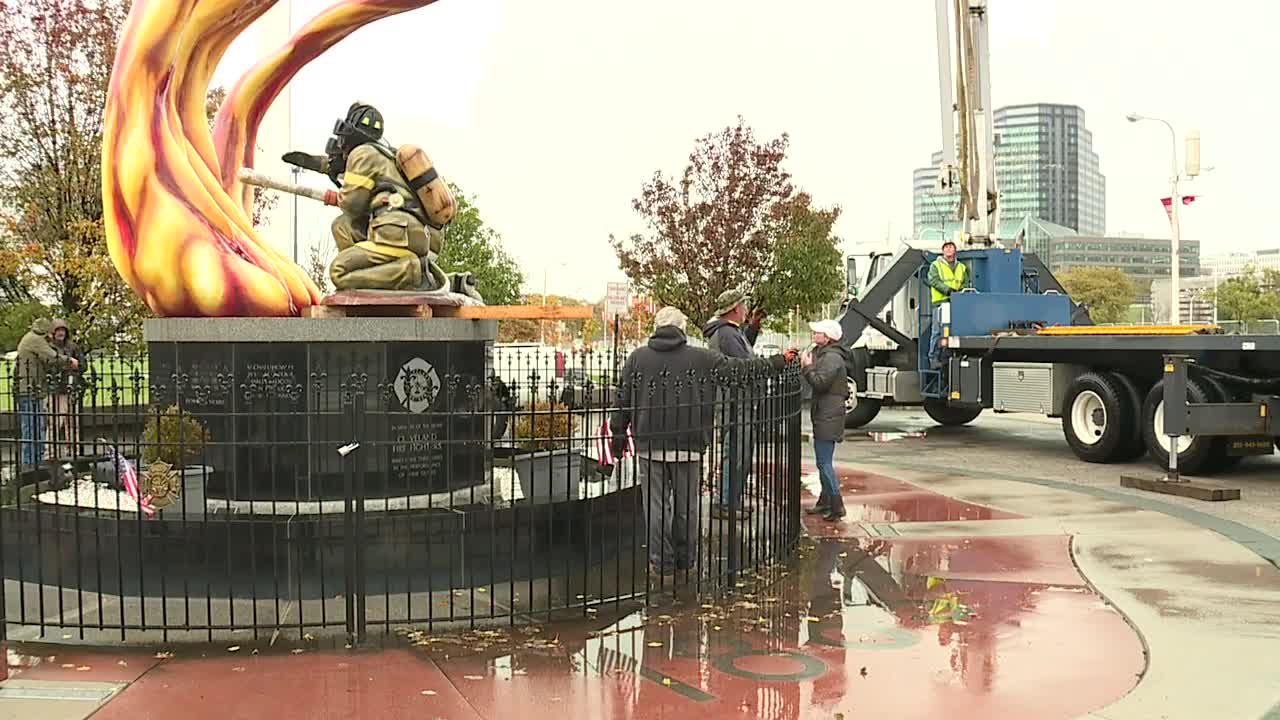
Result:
[[836, 510], [820, 507]]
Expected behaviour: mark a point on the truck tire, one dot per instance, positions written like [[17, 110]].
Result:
[[1194, 451], [859, 411], [1099, 418], [949, 415], [1136, 447]]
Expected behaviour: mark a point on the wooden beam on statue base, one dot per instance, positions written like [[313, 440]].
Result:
[[517, 312], [369, 311], [394, 303], [1195, 489]]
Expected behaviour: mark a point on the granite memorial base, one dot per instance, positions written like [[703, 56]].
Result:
[[324, 434], [280, 396]]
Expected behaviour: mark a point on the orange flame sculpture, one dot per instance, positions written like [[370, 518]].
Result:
[[177, 218]]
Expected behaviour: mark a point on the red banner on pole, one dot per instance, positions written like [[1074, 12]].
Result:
[[1168, 204]]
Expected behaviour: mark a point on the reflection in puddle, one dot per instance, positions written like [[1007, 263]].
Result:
[[877, 499], [877, 627]]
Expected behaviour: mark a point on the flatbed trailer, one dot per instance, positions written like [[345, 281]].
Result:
[[1124, 392]]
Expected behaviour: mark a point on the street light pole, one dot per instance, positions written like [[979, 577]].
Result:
[[1215, 298], [296, 172], [1174, 201]]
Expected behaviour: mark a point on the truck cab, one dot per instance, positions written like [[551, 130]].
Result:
[[888, 313]]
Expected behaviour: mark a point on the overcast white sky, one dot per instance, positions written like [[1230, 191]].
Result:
[[554, 113]]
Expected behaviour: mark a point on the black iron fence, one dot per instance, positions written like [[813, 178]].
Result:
[[197, 504]]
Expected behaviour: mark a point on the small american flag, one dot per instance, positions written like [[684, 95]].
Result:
[[129, 477], [604, 444]]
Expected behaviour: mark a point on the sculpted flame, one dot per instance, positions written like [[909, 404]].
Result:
[[177, 218]]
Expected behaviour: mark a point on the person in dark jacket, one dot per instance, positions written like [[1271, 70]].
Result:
[[666, 396], [65, 390], [734, 329], [825, 368], [725, 334], [36, 358]]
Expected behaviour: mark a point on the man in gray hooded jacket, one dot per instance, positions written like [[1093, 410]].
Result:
[[666, 398]]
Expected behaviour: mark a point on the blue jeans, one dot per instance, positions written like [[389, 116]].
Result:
[[825, 452], [31, 429], [935, 334]]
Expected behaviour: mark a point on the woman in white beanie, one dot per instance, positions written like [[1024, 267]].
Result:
[[825, 369]]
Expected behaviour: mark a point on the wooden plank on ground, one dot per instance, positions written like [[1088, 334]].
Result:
[[1194, 489], [516, 312]]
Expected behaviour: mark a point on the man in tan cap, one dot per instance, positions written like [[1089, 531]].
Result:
[[725, 335], [734, 329]]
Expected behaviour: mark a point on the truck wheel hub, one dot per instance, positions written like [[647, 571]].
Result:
[[1088, 417]]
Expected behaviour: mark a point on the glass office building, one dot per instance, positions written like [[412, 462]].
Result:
[[1045, 168]]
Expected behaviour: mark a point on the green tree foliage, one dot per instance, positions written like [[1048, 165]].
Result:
[[55, 65], [15, 321], [1254, 295], [732, 219], [472, 246], [806, 271], [1107, 292]]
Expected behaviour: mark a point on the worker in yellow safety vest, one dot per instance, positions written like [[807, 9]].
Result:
[[946, 275]]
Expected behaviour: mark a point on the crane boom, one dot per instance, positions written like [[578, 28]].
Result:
[[968, 155]]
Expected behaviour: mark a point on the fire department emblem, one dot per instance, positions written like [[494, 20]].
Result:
[[417, 385]]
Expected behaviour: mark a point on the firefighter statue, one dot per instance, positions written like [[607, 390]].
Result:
[[395, 206]]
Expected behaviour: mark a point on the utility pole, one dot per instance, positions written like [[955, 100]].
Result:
[[296, 172], [1175, 199]]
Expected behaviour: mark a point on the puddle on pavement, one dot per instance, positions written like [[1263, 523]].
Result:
[[877, 499], [870, 625], [867, 627]]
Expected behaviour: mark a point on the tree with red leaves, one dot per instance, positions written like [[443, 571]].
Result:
[[731, 220]]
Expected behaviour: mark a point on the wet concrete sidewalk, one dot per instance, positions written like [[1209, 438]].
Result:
[[938, 596]]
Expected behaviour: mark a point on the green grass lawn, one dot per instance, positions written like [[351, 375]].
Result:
[[113, 380]]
